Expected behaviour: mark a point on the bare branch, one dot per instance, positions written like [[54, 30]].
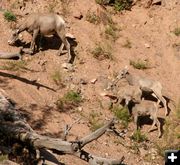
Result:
[[94, 160], [15, 127], [68, 128], [95, 135]]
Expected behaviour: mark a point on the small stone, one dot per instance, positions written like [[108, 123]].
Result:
[[156, 2], [147, 45], [93, 81], [80, 109], [68, 66], [106, 154], [78, 15], [83, 82]]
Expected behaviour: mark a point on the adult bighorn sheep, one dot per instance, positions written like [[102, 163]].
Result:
[[147, 108], [42, 24], [145, 84]]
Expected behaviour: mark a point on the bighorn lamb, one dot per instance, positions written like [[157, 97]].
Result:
[[127, 93], [43, 24], [145, 84], [146, 108]]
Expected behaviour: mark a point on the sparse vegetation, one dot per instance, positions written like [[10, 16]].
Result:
[[9, 16], [92, 17], [118, 5], [177, 31], [111, 30], [57, 78], [14, 66], [94, 121], [140, 64], [102, 53], [127, 44], [122, 114], [178, 110], [138, 136], [3, 157], [69, 101]]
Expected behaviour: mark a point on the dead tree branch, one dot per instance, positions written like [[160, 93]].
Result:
[[14, 126]]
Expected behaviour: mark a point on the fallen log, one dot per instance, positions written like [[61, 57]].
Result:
[[6, 55], [13, 125]]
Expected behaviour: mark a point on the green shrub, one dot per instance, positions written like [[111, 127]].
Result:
[[69, 101], [122, 114], [118, 5], [9, 16], [177, 31], [138, 136]]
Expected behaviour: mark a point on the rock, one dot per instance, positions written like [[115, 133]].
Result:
[[68, 66], [80, 109], [156, 2], [93, 81], [147, 45], [82, 81], [78, 15]]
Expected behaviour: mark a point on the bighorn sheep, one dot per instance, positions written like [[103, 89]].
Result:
[[127, 93], [145, 84], [43, 24], [146, 108]]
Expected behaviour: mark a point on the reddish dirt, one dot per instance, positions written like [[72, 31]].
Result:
[[140, 26]]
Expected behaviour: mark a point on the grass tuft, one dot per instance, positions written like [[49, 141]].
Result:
[[102, 53], [92, 18], [177, 31], [9, 16], [122, 114], [69, 101], [138, 136], [14, 66], [57, 78], [94, 121], [140, 64]]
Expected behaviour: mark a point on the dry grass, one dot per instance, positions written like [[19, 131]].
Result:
[[92, 18], [140, 64], [102, 52]]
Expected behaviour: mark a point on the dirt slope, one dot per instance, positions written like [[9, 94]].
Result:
[[149, 33]]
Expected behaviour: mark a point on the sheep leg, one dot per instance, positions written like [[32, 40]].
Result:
[[161, 98], [136, 121], [66, 43], [154, 122], [35, 34], [159, 128]]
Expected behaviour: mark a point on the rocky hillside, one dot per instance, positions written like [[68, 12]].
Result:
[[51, 93]]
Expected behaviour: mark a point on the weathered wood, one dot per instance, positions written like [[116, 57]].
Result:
[[14, 126], [5, 55]]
